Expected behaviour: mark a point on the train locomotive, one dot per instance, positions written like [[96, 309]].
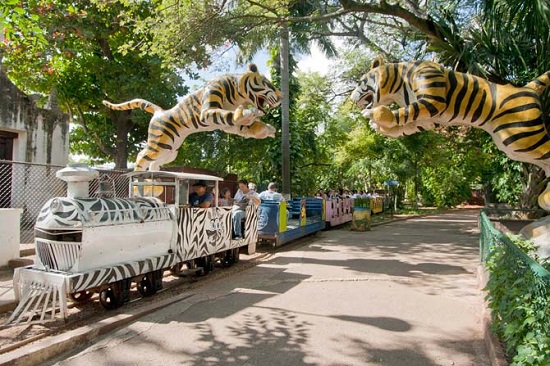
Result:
[[88, 245]]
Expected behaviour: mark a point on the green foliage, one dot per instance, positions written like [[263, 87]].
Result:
[[79, 58], [519, 298], [18, 26]]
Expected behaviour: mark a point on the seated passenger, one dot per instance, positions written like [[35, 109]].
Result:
[[200, 197], [226, 199], [271, 194], [243, 197]]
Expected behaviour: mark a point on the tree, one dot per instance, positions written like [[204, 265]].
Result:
[[249, 24], [82, 63]]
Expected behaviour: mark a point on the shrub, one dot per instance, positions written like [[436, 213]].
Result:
[[519, 298]]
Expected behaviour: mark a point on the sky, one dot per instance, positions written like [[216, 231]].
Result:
[[226, 63]]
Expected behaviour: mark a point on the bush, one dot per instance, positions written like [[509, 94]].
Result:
[[519, 298]]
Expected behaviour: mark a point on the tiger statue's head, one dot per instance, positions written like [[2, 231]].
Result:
[[368, 93], [259, 90]]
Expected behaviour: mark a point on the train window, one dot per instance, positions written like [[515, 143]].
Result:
[[183, 186]]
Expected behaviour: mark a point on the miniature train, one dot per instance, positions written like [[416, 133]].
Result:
[[102, 245]]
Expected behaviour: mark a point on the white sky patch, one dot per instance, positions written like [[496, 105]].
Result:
[[316, 61], [226, 63]]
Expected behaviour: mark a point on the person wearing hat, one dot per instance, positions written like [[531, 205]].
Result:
[[200, 197]]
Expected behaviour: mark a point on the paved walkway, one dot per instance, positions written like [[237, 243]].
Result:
[[405, 293]]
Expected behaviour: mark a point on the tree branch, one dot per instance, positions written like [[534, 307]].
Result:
[[104, 148], [424, 25]]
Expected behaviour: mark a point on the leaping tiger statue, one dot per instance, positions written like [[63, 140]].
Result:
[[429, 94], [231, 103]]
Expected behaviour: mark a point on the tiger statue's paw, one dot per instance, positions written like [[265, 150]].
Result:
[[383, 117], [262, 130], [246, 116], [270, 131]]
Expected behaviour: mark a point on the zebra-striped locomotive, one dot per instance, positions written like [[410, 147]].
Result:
[[102, 245]]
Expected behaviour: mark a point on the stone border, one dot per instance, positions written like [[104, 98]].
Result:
[[48, 348], [492, 344]]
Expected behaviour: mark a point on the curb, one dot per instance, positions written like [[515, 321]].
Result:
[[47, 348]]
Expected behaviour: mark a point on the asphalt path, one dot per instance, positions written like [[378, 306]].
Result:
[[405, 293]]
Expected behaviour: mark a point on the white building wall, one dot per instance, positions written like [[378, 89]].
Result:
[[43, 134]]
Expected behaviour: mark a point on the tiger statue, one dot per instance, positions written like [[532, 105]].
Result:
[[231, 103], [429, 94]]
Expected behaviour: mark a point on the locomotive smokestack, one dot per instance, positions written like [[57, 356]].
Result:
[[77, 177]]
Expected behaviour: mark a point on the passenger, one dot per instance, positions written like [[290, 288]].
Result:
[[226, 199], [320, 194], [200, 197], [271, 193], [242, 198]]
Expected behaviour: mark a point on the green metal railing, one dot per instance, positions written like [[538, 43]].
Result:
[[518, 294], [491, 237]]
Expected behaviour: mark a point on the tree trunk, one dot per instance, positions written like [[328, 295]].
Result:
[[285, 138], [534, 182], [123, 125]]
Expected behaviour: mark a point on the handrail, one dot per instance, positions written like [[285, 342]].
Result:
[[539, 270]]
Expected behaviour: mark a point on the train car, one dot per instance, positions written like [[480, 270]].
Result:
[[376, 205], [338, 211], [102, 245], [282, 222]]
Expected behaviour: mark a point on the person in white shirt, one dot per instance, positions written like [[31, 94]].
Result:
[[242, 198], [271, 194]]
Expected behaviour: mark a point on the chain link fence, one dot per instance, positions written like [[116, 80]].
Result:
[[518, 294], [29, 186]]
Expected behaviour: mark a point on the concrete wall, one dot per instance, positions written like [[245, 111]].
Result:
[[42, 134]]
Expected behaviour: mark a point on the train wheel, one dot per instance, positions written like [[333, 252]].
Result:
[[205, 263], [150, 283], [176, 269], [116, 294], [227, 259], [236, 253], [145, 287], [81, 296], [109, 299]]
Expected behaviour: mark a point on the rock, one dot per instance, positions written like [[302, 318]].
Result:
[[539, 233]]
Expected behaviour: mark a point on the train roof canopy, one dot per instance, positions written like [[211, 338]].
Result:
[[173, 175]]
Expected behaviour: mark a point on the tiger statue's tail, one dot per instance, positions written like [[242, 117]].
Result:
[[540, 84], [134, 104]]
